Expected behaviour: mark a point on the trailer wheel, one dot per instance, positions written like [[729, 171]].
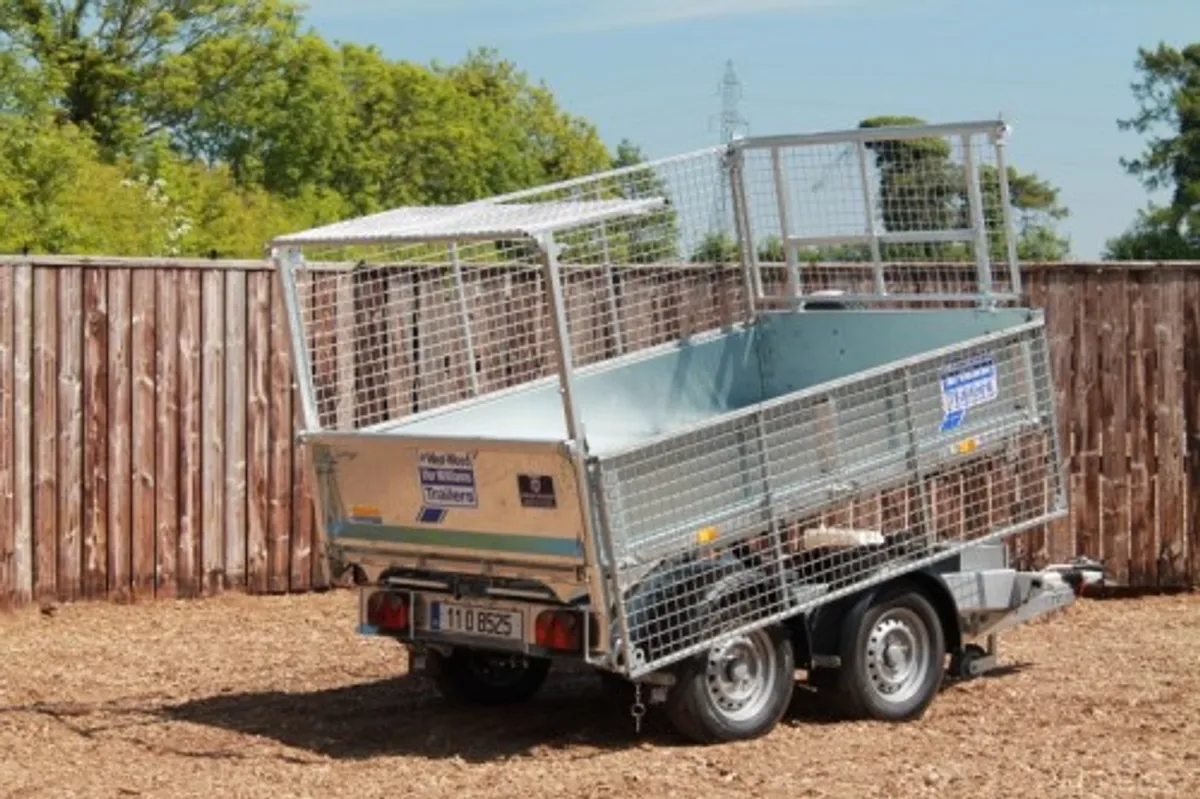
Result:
[[490, 678], [737, 690], [892, 660]]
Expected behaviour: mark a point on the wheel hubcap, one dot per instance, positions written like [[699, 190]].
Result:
[[741, 675], [897, 655]]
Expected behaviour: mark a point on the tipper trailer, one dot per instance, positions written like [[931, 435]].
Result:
[[699, 423]]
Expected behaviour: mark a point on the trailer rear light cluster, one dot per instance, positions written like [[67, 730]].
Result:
[[388, 611], [560, 630]]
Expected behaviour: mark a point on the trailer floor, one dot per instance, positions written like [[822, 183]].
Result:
[[277, 697]]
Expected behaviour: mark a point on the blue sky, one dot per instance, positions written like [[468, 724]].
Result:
[[648, 70]]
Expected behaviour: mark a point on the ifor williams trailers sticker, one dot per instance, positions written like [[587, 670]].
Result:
[[447, 480]]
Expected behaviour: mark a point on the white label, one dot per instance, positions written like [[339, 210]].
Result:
[[972, 383]]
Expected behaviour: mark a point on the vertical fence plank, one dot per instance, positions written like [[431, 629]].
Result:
[[1061, 301], [344, 382], [70, 429], [258, 428], [1032, 548], [1139, 374], [96, 511], [23, 433], [235, 428], [1086, 415], [301, 576], [280, 486], [166, 509], [399, 337], [212, 433], [144, 414], [7, 435], [1170, 429], [1114, 420], [323, 291], [188, 576], [1191, 402], [120, 433], [45, 420]]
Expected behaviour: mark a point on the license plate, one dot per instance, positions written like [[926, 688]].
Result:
[[456, 619]]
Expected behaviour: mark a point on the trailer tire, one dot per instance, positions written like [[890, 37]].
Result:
[[892, 657], [737, 690], [471, 676]]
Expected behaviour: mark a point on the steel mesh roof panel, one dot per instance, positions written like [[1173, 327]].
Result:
[[474, 221]]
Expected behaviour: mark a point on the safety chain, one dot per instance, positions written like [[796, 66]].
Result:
[[638, 710]]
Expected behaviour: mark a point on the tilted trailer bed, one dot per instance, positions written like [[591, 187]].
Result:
[[700, 423]]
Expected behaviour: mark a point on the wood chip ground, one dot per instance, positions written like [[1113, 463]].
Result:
[[277, 696]]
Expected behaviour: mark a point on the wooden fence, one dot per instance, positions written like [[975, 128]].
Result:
[[147, 411], [147, 421], [1126, 361]]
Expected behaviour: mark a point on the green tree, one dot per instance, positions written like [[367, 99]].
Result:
[[118, 63], [280, 119], [519, 135], [224, 124], [61, 197], [1168, 95]]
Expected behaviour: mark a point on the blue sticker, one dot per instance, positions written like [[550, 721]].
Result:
[[429, 515], [952, 419]]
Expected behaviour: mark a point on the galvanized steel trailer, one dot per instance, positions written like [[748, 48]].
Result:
[[699, 423]]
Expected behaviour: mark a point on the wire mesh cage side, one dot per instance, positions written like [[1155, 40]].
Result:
[[403, 328], [400, 335], [817, 495]]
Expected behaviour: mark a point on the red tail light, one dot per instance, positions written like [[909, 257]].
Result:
[[560, 630], [388, 611]]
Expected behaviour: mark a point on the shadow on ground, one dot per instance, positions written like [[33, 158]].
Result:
[[405, 717]]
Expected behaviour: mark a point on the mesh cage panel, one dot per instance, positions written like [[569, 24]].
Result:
[[636, 283], [393, 330], [823, 493], [388, 341]]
